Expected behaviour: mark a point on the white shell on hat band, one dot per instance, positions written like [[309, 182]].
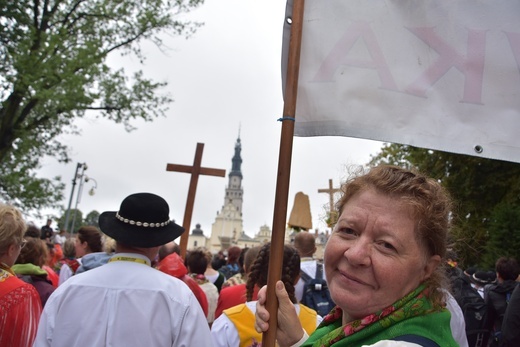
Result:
[[141, 224]]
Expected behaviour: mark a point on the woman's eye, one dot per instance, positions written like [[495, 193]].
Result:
[[347, 231], [387, 245]]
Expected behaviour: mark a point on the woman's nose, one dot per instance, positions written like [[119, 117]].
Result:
[[359, 252]]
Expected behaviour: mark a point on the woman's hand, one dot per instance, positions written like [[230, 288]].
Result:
[[289, 330]]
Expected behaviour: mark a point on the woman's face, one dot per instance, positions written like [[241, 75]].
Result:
[[81, 247], [372, 258]]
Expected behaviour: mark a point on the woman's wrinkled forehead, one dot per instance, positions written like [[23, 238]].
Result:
[[410, 208]]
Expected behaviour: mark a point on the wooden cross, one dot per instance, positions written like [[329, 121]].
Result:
[[331, 192], [195, 171]]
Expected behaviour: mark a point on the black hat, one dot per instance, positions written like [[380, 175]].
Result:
[[483, 277], [142, 221], [470, 271]]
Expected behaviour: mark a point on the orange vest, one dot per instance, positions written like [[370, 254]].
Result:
[[244, 321]]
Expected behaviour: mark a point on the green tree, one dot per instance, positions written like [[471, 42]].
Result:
[[75, 217], [54, 70], [477, 186], [92, 218], [504, 234]]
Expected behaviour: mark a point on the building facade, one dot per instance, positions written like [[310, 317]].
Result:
[[228, 226], [197, 238], [227, 230]]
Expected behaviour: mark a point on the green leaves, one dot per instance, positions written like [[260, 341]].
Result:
[[503, 233], [54, 70]]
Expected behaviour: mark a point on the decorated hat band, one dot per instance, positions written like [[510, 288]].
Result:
[[142, 224]]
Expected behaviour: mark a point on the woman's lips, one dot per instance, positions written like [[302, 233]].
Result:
[[353, 279]]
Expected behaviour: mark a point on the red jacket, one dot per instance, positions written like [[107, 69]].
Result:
[[20, 310]]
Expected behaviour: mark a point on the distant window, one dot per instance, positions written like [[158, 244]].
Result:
[[194, 243]]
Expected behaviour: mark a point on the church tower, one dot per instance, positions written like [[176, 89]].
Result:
[[234, 190], [228, 226]]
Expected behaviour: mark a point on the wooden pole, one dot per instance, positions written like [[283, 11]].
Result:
[[284, 172], [195, 171]]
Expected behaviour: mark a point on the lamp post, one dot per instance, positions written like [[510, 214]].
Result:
[[82, 166], [92, 190], [83, 178]]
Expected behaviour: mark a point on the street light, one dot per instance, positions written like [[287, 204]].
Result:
[[82, 179], [82, 166], [79, 174], [92, 190]]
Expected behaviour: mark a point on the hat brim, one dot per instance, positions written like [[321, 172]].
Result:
[[138, 236]]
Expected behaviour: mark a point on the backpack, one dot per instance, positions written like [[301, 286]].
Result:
[[316, 293], [229, 270], [496, 336], [474, 308]]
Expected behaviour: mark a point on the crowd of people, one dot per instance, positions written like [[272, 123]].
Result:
[[389, 279], [486, 299]]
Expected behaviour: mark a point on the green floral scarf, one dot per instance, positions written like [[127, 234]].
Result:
[[382, 324]]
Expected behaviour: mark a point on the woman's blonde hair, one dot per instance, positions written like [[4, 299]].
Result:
[[12, 226], [69, 250], [109, 245]]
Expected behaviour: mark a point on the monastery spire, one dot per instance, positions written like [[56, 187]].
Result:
[[237, 159]]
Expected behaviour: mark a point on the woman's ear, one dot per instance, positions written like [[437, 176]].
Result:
[[12, 253], [84, 245], [12, 249], [430, 266]]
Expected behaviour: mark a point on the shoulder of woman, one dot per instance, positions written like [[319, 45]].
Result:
[[224, 332]]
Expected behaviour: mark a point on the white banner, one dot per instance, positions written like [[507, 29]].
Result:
[[438, 74]]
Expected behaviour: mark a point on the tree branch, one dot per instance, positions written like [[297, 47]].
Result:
[[104, 108], [36, 5], [72, 10], [44, 25], [124, 43], [25, 112], [82, 15]]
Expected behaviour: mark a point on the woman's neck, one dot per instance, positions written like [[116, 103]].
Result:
[[346, 318], [6, 267], [6, 260], [211, 271]]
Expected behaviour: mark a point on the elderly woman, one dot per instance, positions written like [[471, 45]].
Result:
[[20, 305], [382, 266]]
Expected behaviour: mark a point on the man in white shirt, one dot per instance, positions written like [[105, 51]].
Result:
[[126, 302]]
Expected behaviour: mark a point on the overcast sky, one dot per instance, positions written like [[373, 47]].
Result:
[[225, 78]]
